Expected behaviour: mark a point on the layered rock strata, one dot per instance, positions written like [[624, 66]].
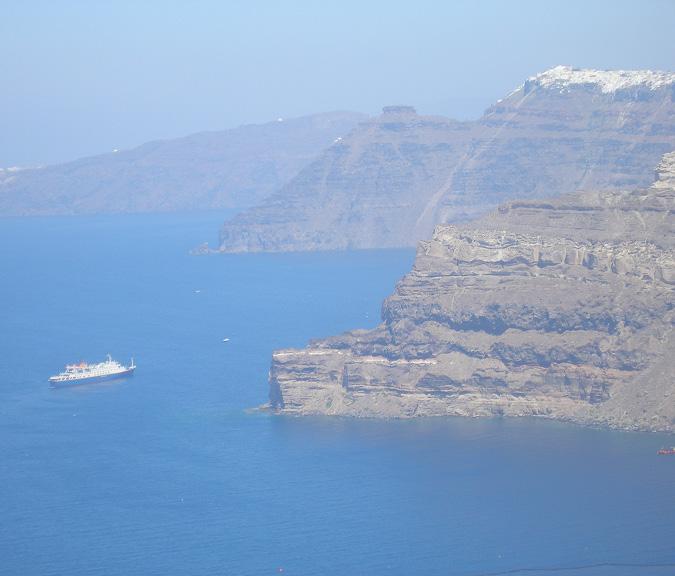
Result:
[[563, 309], [395, 177]]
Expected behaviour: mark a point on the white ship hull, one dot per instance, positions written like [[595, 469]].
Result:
[[84, 373], [55, 381]]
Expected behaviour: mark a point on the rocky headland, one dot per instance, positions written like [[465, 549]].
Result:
[[394, 177], [558, 308]]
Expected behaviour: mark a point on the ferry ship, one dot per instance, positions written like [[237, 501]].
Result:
[[667, 451], [83, 372]]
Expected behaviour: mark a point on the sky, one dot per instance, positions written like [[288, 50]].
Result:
[[83, 78]]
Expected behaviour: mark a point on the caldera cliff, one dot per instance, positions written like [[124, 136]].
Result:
[[558, 308], [393, 178]]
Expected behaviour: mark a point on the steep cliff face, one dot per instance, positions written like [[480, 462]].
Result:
[[227, 169], [561, 309], [568, 130], [367, 190], [394, 178]]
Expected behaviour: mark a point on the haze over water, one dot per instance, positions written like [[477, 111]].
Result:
[[86, 78], [166, 473]]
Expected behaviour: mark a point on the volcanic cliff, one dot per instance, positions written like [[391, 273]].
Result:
[[558, 308], [393, 178]]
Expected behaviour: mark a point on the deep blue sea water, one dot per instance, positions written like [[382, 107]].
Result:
[[166, 474]]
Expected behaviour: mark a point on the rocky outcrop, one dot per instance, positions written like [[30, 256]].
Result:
[[228, 169], [395, 177], [563, 309]]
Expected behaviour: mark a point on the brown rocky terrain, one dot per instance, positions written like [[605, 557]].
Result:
[[558, 308], [210, 170], [395, 177]]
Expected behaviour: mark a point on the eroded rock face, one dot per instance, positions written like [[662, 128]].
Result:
[[561, 309], [367, 190], [394, 178]]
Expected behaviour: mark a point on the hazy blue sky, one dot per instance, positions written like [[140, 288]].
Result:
[[80, 78]]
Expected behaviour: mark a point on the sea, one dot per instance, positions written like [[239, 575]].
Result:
[[170, 472]]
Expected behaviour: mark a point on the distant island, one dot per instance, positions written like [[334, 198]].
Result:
[[231, 169], [560, 308], [395, 177]]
